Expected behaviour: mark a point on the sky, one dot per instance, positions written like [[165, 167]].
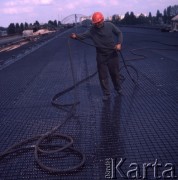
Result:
[[21, 11]]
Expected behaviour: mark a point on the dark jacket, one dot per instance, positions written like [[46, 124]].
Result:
[[104, 38]]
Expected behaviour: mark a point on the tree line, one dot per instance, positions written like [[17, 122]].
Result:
[[129, 18], [19, 28], [160, 18]]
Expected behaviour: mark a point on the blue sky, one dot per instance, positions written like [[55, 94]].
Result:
[[17, 11]]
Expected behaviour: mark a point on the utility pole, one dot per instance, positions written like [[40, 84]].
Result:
[[76, 22]]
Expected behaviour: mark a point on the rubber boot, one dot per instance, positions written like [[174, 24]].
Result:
[[105, 89]]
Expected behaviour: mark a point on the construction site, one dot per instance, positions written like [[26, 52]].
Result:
[[54, 124]]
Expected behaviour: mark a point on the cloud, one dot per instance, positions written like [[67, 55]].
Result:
[[80, 6], [10, 3], [72, 5], [40, 2], [114, 2], [28, 2], [16, 10], [22, 6], [101, 3]]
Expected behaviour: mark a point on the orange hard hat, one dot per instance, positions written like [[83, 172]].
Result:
[[97, 17]]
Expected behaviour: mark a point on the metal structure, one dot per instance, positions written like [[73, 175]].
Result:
[[74, 18]]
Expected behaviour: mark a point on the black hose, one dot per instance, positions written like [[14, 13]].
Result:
[[52, 133], [123, 59], [126, 67]]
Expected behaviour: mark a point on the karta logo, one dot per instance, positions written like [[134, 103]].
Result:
[[114, 170]]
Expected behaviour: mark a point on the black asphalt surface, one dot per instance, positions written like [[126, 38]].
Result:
[[135, 131]]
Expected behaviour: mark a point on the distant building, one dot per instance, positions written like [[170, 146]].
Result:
[[174, 21], [3, 33], [27, 34], [83, 18]]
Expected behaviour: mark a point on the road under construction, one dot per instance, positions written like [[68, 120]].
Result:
[[136, 128]]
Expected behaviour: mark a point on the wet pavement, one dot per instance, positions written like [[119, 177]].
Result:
[[130, 136]]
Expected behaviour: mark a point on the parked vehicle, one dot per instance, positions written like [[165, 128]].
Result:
[[166, 28]]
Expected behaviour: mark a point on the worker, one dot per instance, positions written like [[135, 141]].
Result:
[[107, 39]]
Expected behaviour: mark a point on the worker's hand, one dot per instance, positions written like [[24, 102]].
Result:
[[73, 36], [118, 47]]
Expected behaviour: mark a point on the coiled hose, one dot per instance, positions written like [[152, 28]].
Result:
[[52, 134]]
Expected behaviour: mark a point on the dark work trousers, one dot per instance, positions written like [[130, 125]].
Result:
[[109, 63]]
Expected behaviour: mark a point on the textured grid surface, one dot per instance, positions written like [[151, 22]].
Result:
[[141, 125]]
